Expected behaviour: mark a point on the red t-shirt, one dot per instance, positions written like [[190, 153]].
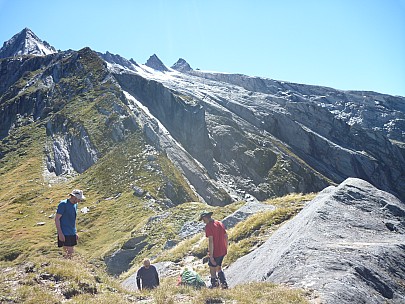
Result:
[[217, 230]]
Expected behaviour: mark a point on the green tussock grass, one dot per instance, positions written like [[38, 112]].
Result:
[[32, 269], [252, 293], [55, 279]]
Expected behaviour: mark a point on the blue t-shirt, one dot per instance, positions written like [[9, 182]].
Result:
[[68, 219]]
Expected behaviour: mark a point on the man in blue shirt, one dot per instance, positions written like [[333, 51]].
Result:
[[149, 276], [65, 221]]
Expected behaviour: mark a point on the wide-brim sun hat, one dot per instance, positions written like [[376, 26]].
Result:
[[78, 194], [205, 213]]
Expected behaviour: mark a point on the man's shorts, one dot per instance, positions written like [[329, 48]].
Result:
[[218, 260], [70, 240]]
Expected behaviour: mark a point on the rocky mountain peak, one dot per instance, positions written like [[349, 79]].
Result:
[[117, 59], [26, 43], [181, 65], [155, 63]]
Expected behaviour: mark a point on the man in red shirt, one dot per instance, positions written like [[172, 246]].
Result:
[[217, 248]]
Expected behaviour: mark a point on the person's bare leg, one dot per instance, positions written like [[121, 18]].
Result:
[[221, 277], [214, 279], [69, 251]]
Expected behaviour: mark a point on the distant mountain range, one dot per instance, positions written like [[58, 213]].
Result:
[[232, 136], [152, 146]]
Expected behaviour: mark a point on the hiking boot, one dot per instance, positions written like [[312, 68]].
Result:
[[221, 276], [214, 283]]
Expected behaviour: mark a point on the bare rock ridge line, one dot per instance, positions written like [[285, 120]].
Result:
[[26, 43], [347, 245], [250, 138]]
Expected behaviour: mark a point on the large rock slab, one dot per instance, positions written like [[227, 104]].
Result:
[[347, 245], [244, 212]]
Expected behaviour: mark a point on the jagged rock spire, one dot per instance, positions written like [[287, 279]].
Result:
[[26, 43], [155, 63], [181, 65]]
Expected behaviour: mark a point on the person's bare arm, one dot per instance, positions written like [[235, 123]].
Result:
[[58, 228]]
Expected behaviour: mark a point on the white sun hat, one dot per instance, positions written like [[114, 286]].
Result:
[[78, 194]]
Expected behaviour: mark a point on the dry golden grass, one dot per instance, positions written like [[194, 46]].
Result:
[[26, 199], [252, 293]]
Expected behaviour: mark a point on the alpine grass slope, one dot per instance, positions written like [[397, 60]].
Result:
[[152, 146]]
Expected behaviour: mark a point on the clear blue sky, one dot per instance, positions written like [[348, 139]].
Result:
[[345, 44]]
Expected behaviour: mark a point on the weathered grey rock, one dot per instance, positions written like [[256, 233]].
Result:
[[138, 191], [26, 43], [120, 260], [183, 124], [155, 63], [70, 149], [169, 244], [117, 59], [244, 212], [182, 66], [190, 229], [133, 243], [339, 245]]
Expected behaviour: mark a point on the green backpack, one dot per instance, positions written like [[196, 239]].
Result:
[[191, 278]]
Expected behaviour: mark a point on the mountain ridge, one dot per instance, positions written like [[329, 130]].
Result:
[[152, 148], [26, 43]]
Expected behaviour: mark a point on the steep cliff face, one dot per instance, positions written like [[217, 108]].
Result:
[[337, 133], [69, 149], [183, 117]]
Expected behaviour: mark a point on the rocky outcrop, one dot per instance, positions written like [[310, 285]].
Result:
[[121, 259], [244, 212], [347, 245], [26, 43], [182, 66], [70, 149], [183, 118], [196, 175], [117, 59], [155, 63]]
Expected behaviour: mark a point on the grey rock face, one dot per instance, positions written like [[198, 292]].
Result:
[[117, 59], [155, 63], [121, 259], [182, 66], [244, 212], [343, 245], [178, 128], [26, 43], [190, 229], [70, 149], [326, 135]]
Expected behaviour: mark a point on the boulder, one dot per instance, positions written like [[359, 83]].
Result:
[[121, 259], [342, 245]]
